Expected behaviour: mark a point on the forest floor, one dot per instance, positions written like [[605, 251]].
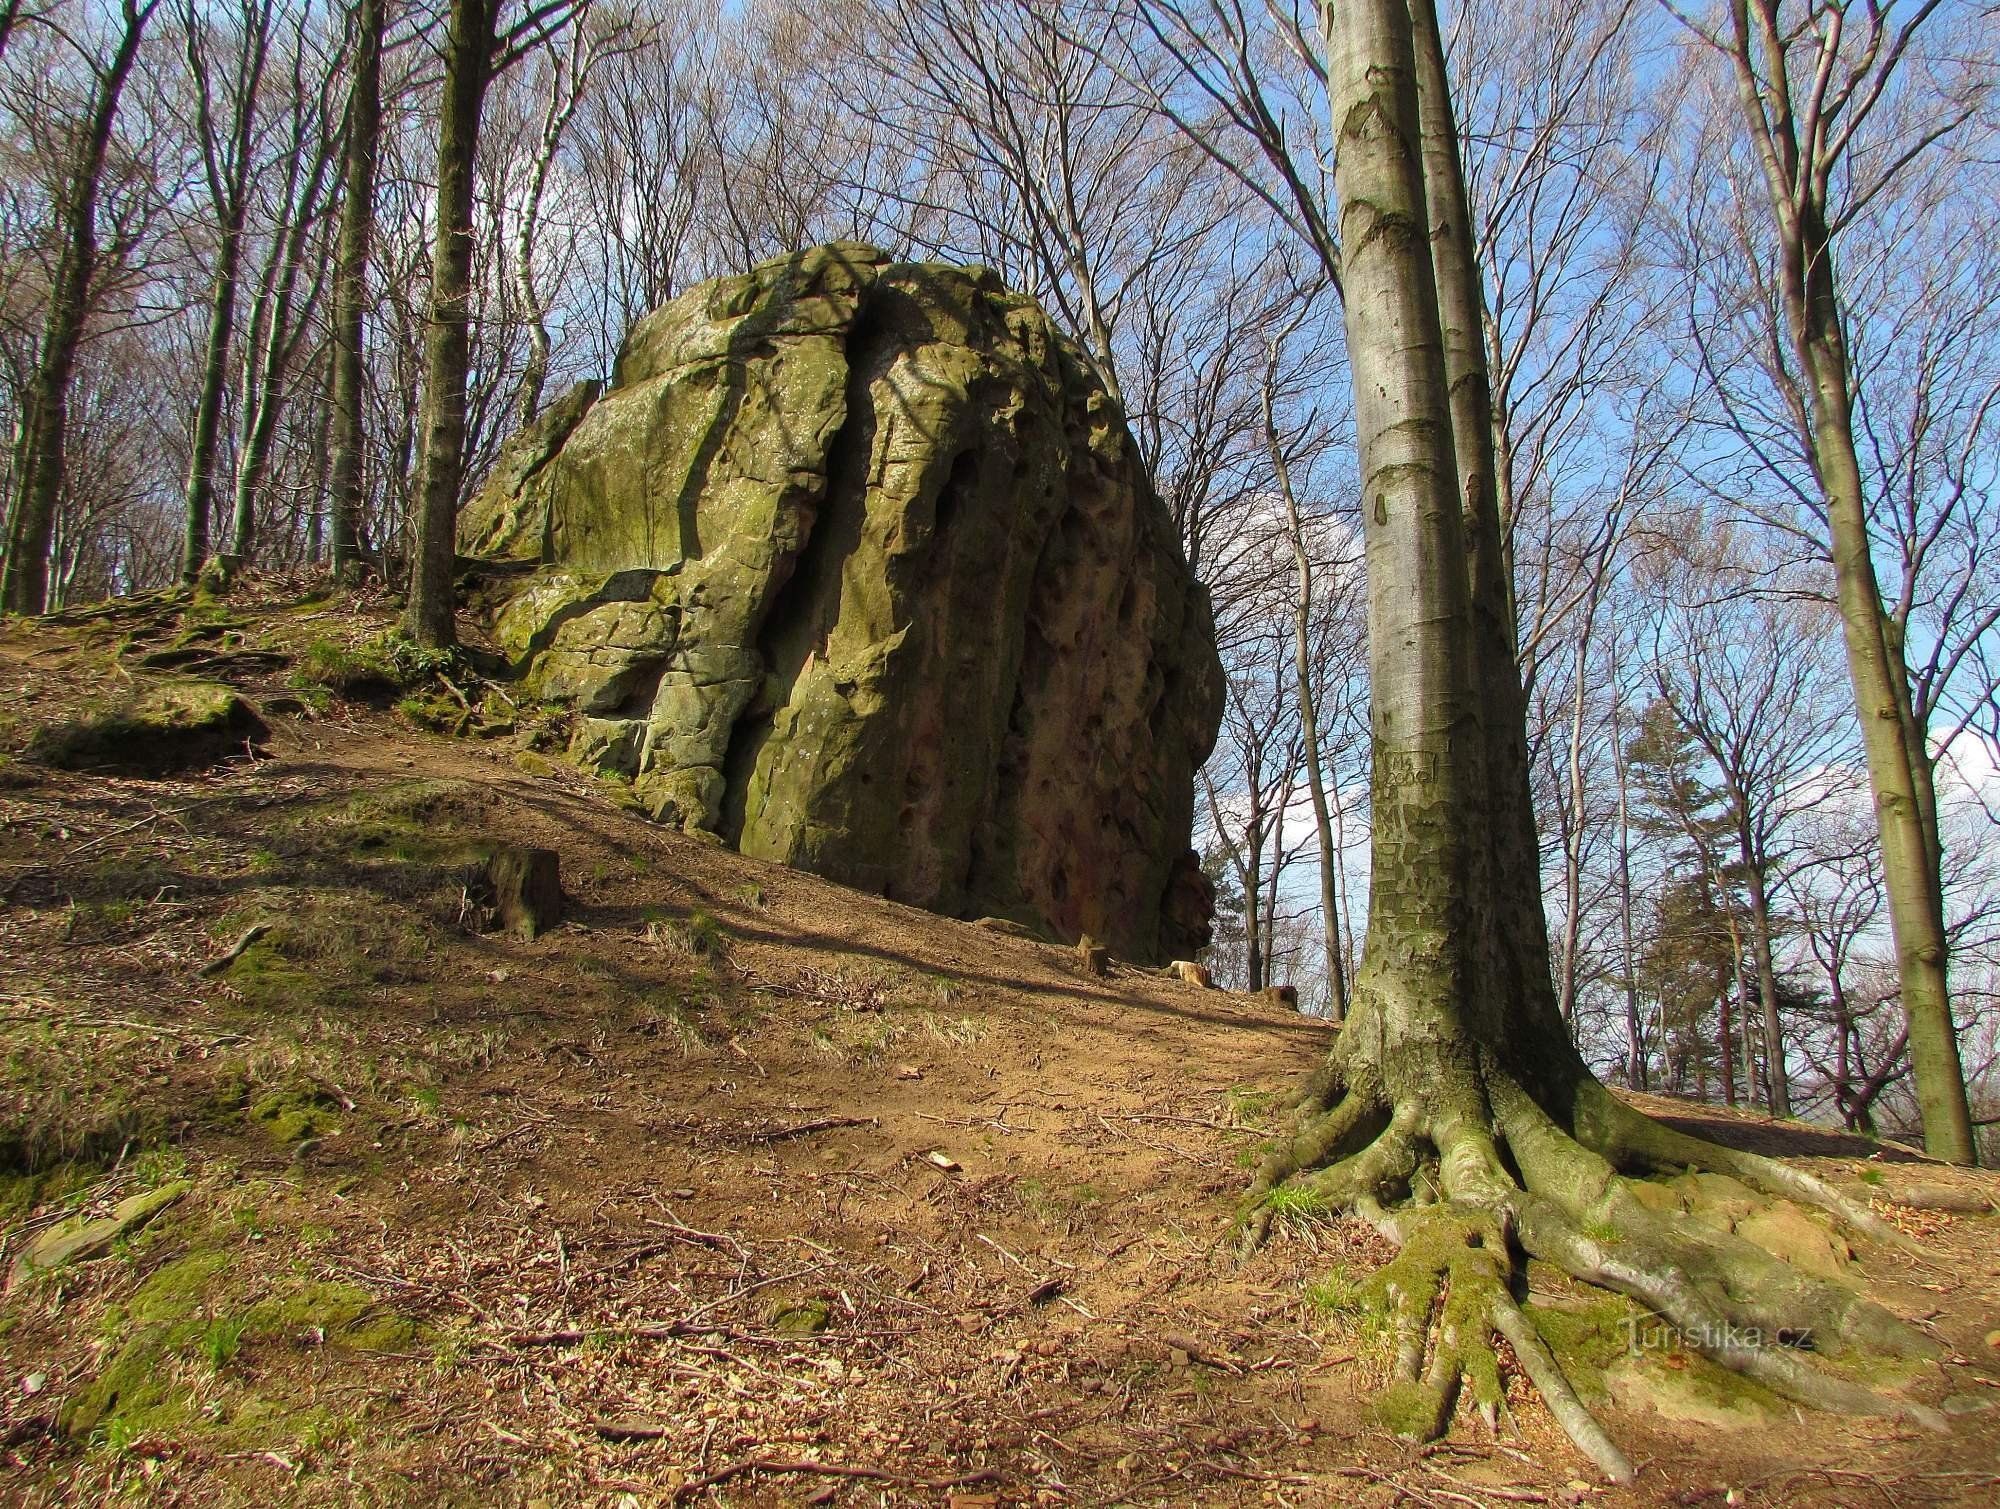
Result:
[[738, 1187]]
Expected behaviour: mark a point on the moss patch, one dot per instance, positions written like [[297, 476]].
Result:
[[174, 726], [800, 1317], [296, 1113], [168, 1345]]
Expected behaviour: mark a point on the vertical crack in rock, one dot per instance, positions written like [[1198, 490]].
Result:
[[795, 627]]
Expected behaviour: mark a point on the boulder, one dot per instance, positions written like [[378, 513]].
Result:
[[855, 566]]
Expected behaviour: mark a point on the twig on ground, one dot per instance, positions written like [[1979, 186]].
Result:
[[235, 950], [695, 1486]]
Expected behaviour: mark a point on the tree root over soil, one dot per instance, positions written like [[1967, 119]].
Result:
[[1471, 1177]]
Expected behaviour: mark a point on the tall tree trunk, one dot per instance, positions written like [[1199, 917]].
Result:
[[226, 151], [348, 435], [1635, 1040], [273, 340], [1899, 772], [1454, 1093], [1777, 1080], [1727, 982], [38, 455], [1302, 600], [468, 61], [207, 432], [565, 95]]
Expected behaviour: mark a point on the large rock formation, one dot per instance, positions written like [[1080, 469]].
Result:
[[855, 566]]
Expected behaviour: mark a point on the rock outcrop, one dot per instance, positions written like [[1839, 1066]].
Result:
[[855, 566]]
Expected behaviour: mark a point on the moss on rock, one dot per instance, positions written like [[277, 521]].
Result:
[[172, 726]]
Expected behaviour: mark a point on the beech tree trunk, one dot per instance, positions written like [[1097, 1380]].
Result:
[[44, 424], [1454, 1093], [468, 63], [348, 433], [1899, 763]]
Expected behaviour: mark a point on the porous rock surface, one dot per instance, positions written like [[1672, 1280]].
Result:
[[854, 565]]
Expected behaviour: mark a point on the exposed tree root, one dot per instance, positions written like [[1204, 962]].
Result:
[[1465, 1197]]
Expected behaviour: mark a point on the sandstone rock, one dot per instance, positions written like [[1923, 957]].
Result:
[[527, 889], [855, 565], [507, 517], [1717, 1200], [1192, 973], [81, 1238]]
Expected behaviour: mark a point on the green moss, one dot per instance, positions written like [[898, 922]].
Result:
[[431, 711], [1247, 1108], [800, 1317], [320, 1313], [172, 726], [1587, 1336], [296, 1113], [192, 1313], [1409, 1410]]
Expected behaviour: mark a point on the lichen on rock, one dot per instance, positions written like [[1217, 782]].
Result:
[[856, 566]]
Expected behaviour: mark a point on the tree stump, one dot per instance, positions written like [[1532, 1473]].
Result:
[[527, 889]]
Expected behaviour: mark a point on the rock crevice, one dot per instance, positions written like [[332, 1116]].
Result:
[[855, 566]]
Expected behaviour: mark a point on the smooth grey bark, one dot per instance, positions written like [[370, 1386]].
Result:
[[468, 63], [1454, 1092], [226, 152], [347, 435], [1801, 138]]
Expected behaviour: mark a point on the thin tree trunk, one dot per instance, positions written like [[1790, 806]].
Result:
[[1573, 818], [1892, 739], [348, 434], [208, 402], [1329, 856], [227, 163], [1725, 1041], [1635, 1041], [1777, 1081], [429, 617], [565, 94], [272, 370], [38, 463]]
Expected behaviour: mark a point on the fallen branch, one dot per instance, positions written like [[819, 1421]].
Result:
[[807, 1128], [736, 1469], [235, 950]]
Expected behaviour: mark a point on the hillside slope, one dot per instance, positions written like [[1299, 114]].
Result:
[[736, 1187]]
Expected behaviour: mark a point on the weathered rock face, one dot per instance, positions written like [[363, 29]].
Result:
[[854, 566]]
